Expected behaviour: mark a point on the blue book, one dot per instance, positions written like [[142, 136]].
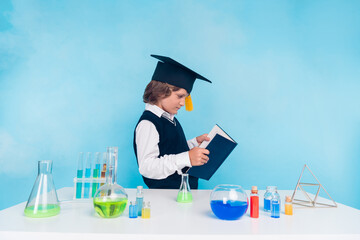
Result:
[[220, 147]]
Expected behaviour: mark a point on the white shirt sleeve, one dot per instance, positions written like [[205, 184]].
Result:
[[147, 149], [192, 143]]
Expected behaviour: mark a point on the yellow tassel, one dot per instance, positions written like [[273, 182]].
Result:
[[188, 104]]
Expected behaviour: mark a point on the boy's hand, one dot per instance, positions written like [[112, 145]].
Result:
[[202, 138], [198, 156]]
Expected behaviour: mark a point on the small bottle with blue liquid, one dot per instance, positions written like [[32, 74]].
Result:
[[133, 210], [275, 205], [139, 199], [270, 190]]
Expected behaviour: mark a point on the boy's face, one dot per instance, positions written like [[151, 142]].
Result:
[[174, 102]]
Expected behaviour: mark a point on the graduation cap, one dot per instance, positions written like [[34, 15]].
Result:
[[172, 72]]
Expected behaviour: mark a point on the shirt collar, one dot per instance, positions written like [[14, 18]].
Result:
[[158, 111]]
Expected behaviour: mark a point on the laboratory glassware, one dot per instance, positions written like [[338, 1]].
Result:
[[96, 173], [103, 171], [79, 175], [275, 206], [146, 211], [133, 210], [43, 200], [87, 175], [228, 202], [184, 194], [270, 191], [139, 199], [288, 206], [254, 202], [110, 199]]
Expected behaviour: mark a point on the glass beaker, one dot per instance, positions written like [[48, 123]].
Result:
[[184, 195], [110, 199], [43, 200]]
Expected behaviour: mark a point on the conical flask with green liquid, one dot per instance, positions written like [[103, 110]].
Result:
[[184, 195], [43, 200]]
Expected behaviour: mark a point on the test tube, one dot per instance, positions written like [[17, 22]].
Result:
[[103, 172], [87, 175], [96, 173], [79, 175]]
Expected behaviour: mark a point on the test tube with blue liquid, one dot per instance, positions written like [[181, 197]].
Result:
[[87, 175], [79, 175], [96, 173]]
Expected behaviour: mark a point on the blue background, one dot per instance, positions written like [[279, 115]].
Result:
[[285, 86]]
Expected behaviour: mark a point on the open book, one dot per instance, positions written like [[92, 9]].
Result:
[[220, 146]]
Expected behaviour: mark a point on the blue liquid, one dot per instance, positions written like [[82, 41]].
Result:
[[87, 184], [133, 211], [275, 209], [231, 210], [139, 203], [79, 184], [267, 205]]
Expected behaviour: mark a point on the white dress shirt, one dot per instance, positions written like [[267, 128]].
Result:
[[147, 139]]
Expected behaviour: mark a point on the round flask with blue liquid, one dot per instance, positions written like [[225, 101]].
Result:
[[229, 202]]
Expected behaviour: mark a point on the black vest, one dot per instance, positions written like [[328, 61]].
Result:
[[171, 141]]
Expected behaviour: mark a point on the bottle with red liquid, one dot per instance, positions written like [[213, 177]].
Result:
[[254, 202]]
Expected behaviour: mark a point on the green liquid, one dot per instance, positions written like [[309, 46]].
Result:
[[42, 211], [109, 208], [184, 197]]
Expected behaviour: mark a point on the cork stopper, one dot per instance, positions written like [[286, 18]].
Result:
[[254, 189], [287, 199]]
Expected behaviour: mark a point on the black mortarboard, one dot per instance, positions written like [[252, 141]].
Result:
[[172, 72]]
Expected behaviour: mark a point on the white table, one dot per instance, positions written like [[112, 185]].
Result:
[[172, 220]]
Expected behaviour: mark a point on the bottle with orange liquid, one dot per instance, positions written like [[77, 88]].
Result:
[[288, 206], [254, 202]]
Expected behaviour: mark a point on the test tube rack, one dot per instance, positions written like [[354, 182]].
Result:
[[90, 180]]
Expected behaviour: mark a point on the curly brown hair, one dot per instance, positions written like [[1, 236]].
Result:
[[156, 90]]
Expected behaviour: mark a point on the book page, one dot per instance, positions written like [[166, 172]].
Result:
[[216, 130]]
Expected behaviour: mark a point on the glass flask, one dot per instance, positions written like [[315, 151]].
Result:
[[43, 200], [228, 202], [184, 195], [110, 199]]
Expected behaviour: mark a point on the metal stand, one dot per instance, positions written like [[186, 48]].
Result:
[[310, 202]]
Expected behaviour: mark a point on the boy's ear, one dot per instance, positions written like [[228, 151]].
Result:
[[188, 104]]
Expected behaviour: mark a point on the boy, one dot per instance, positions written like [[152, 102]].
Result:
[[159, 142]]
